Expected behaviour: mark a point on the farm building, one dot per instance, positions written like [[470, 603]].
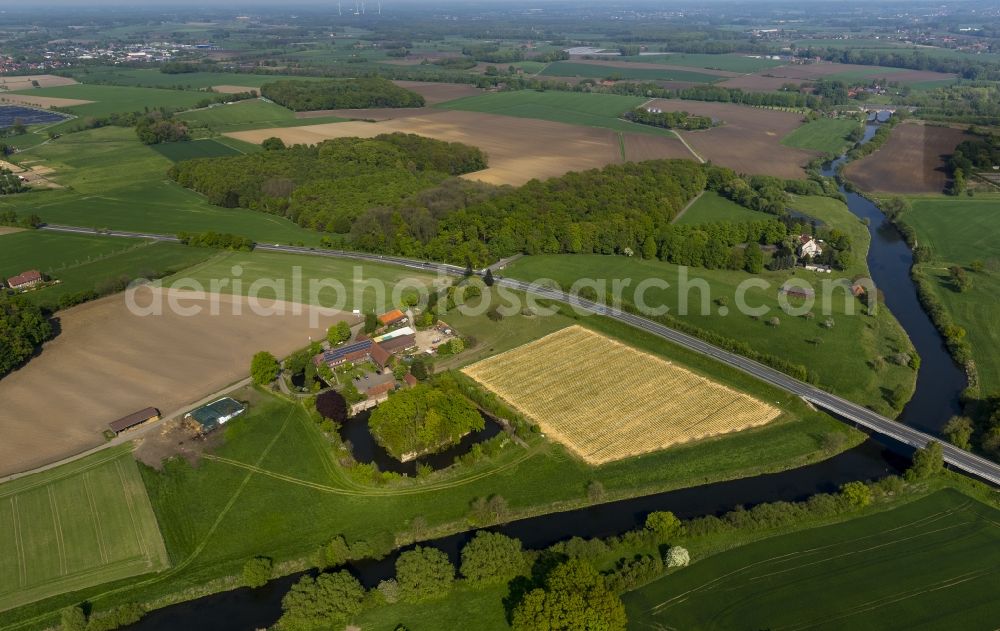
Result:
[[809, 246], [396, 333], [353, 352], [374, 385], [25, 280], [399, 344], [212, 415], [134, 420], [357, 351], [392, 318]]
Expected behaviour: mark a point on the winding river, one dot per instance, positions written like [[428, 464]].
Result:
[[939, 381]]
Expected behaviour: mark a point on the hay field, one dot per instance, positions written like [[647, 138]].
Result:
[[519, 149], [913, 160], [749, 141], [82, 524], [107, 363], [607, 401]]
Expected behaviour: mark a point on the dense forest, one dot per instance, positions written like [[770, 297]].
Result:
[[23, 327], [422, 419], [979, 154], [605, 210], [343, 94], [326, 186]]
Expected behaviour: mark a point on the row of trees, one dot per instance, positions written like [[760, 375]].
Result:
[[668, 120], [23, 328], [562, 587], [220, 240], [11, 218], [326, 186], [342, 94]]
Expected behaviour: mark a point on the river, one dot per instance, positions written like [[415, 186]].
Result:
[[939, 381]]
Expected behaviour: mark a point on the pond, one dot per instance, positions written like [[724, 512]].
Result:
[[366, 450]]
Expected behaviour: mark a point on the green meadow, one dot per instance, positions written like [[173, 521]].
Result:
[[91, 165], [76, 526], [153, 78], [730, 63], [109, 99], [712, 207], [928, 564], [205, 148], [85, 263], [590, 71], [253, 114], [574, 108], [826, 135], [960, 231]]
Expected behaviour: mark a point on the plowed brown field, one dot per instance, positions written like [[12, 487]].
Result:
[[913, 160]]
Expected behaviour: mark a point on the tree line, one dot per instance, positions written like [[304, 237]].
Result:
[[301, 95], [573, 584], [668, 120]]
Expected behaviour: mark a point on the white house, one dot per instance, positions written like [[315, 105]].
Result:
[[809, 247]]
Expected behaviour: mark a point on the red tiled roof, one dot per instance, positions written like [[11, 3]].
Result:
[[410, 379], [390, 317], [379, 355], [31, 276], [381, 388]]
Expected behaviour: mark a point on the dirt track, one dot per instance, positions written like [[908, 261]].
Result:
[[233, 89], [107, 363], [913, 160], [749, 141], [519, 149]]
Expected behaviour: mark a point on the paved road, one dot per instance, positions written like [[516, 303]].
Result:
[[957, 458]]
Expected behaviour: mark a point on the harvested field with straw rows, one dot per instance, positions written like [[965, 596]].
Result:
[[648, 403]]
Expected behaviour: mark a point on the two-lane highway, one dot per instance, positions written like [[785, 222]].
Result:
[[957, 458]]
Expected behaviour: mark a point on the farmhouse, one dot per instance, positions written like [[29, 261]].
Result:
[[392, 318], [25, 280], [353, 352], [134, 420], [809, 246]]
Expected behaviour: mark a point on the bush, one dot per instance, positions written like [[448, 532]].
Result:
[[257, 571], [264, 368], [321, 603], [856, 494], [492, 558], [332, 405], [424, 573], [678, 557], [664, 525]]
